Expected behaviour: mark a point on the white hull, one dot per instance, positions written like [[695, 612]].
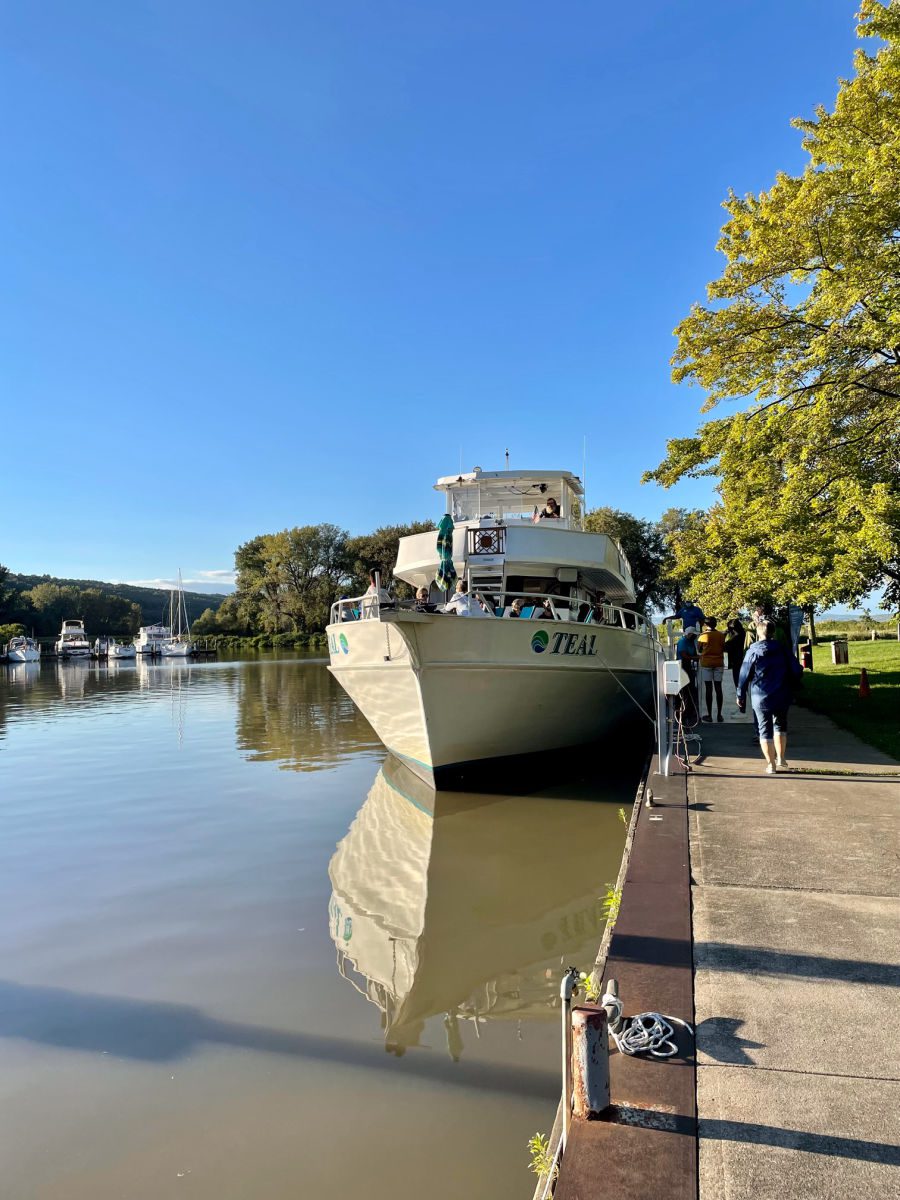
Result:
[[445, 693], [73, 651], [24, 656], [176, 649], [121, 652]]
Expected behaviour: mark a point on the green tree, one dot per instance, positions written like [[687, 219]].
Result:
[[6, 592], [260, 586], [804, 326], [378, 552], [290, 579], [643, 544]]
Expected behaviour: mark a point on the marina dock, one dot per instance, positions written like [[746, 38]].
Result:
[[781, 894]]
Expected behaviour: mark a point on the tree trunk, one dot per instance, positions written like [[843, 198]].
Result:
[[811, 618]]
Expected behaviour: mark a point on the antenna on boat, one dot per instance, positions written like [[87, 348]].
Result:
[[583, 480], [507, 460]]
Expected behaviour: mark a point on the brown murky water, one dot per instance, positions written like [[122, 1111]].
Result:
[[245, 956]]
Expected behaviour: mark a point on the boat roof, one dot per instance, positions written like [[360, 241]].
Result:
[[520, 480]]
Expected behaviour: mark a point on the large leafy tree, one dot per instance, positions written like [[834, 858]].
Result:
[[644, 545], [378, 552], [803, 325], [5, 589], [289, 579]]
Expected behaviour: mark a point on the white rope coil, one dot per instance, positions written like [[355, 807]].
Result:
[[648, 1033], [644, 1033]]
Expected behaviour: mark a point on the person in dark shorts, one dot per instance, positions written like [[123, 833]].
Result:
[[769, 671]]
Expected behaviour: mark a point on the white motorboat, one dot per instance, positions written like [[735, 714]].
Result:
[[151, 638], [23, 650], [449, 694], [116, 649], [179, 645], [72, 641]]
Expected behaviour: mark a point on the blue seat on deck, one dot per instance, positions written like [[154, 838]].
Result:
[[526, 612]]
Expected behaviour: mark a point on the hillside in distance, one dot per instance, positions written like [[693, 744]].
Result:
[[153, 602]]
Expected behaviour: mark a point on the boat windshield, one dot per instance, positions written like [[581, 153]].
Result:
[[478, 497]]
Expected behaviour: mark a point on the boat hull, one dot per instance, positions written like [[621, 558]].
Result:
[[177, 650], [24, 656], [121, 652], [451, 695]]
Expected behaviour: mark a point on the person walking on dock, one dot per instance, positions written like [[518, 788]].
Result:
[[735, 636], [769, 671], [711, 644]]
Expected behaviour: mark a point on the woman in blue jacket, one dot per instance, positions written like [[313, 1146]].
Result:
[[769, 670]]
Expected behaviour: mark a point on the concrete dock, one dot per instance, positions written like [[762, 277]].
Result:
[[796, 929], [766, 910]]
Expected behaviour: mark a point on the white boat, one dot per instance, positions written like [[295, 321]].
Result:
[[23, 650], [448, 694], [151, 638], [72, 641], [179, 645], [116, 649]]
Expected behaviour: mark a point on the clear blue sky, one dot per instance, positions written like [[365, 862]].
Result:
[[267, 264]]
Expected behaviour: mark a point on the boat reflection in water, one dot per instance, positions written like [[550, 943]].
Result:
[[465, 907]]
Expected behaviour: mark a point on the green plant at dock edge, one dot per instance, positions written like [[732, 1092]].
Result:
[[622, 817], [541, 1159], [610, 903]]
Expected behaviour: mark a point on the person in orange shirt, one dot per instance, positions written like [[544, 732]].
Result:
[[711, 644]]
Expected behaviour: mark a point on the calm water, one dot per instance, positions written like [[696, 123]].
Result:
[[244, 955]]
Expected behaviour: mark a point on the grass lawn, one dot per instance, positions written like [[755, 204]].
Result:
[[834, 691]]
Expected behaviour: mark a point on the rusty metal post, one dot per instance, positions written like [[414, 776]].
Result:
[[590, 1061]]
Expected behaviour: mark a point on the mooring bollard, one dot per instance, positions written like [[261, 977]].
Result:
[[590, 1062]]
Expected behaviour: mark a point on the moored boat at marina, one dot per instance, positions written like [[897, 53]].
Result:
[[116, 649], [72, 641], [151, 638], [23, 650], [179, 645], [450, 694]]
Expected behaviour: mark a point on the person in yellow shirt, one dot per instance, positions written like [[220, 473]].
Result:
[[711, 644]]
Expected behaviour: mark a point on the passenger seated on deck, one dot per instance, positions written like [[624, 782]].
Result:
[[422, 603], [463, 604], [550, 509], [517, 606], [546, 612]]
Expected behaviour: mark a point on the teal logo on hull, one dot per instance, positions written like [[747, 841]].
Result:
[[539, 641], [344, 646]]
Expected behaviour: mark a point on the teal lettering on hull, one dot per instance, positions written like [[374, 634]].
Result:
[[567, 643]]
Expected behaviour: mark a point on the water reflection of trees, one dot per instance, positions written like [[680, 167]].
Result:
[[466, 906], [293, 713]]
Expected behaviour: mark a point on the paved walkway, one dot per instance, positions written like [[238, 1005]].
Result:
[[796, 922]]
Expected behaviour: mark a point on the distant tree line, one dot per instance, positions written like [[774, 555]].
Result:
[[44, 607], [42, 602]]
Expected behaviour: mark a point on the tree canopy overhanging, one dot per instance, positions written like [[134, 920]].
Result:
[[804, 324]]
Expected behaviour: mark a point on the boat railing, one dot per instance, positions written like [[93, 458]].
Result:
[[365, 607], [563, 608]]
